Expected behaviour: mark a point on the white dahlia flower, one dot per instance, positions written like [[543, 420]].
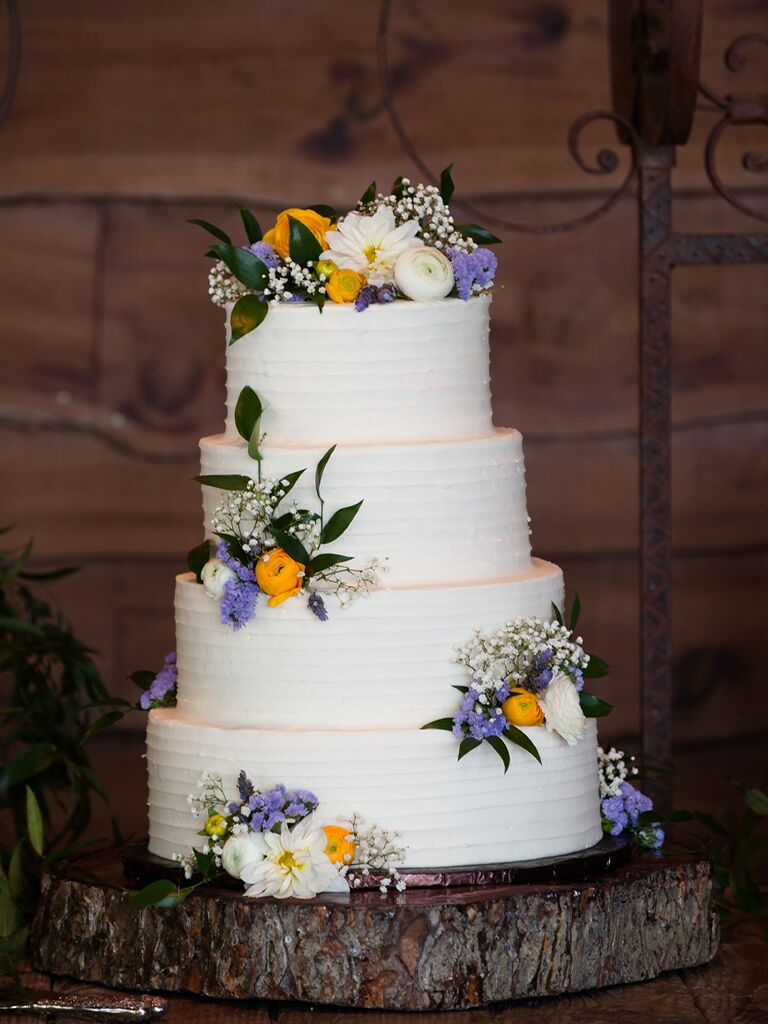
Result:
[[243, 851], [562, 710], [296, 863], [215, 575], [370, 245], [423, 274]]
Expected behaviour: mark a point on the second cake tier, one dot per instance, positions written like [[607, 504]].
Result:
[[445, 512], [385, 661]]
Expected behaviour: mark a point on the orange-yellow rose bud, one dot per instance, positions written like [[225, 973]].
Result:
[[279, 236], [279, 576], [340, 850], [522, 708], [344, 285]]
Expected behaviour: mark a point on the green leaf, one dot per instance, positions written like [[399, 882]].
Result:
[[290, 545], [339, 522], [16, 872], [20, 626], [143, 677], [757, 800], [557, 615], [518, 737], [500, 747], [712, 823], [248, 412], [8, 913], [248, 312], [102, 723], [205, 863], [446, 191], [594, 707], [325, 211], [211, 229], [398, 188], [251, 225], [325, 561], [32, 761], [575, 612], [34, 822], [162, 893], [303, 247], [197, 558], [319, 299], [321, 469], [225, 482], [292, 479], [466, 746], [446, 724], [246, 267], [461, 689], [596, 668], [480, 235], [369, 195]]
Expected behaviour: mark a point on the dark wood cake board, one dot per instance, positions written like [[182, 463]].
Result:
[[449, 947]]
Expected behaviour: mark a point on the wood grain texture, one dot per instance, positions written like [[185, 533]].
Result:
[[420, 950]]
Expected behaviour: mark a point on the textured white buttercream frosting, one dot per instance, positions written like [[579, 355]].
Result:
[[449, 812], [438, 512], [385, 661], [407, 371]]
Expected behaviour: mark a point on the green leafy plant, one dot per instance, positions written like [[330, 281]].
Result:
[[52, 687]]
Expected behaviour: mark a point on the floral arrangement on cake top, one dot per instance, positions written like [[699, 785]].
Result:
[[265, 548], [275, 841], [401, 244], [530, 673], [625, 810]]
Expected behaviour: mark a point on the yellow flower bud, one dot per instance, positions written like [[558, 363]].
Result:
[[339, 849], [216, 825], [326, 267], [344, 285], [522, 708]]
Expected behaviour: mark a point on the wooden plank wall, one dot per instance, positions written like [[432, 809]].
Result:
[[132, 117]]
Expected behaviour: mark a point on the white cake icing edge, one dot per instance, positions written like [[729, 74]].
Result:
[[449, 813], [407, 371], [385, 661], [443, 512]]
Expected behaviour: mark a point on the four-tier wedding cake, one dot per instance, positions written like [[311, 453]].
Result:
[[312, 674]]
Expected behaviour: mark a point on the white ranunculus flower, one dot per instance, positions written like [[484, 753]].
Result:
[[214, 576], [296, 863], [370, 245], [243, 851], [424, 274], [562, 710]]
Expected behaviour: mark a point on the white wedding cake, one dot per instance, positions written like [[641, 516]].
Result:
[[337, 706]]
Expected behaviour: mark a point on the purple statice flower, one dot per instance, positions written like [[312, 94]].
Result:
[[245, 788], [650, 836], [238, 603], [317, 606], [264, 252], [278, 805], [578, 678], [469, 268], [613, 812], [367, 295], [635, 802], [387, 293], [162, 689], [243, 572], [540, 674], [477, 721]]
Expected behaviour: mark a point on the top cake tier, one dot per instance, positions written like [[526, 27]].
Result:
[[407, 371]]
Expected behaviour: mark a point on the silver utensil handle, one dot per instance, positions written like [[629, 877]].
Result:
[[93, 1006]]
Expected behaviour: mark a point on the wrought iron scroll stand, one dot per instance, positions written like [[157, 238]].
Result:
[[654, 52]]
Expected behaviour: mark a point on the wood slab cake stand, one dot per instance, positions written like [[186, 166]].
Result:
[[506, 932]]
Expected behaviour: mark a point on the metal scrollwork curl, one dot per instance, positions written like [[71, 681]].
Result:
[[736, 110], [605, 161]]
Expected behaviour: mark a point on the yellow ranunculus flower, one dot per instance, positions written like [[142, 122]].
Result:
[[279, 236], [344, 285], [279, 576], [339, 849], [522, 708], [216, 825]]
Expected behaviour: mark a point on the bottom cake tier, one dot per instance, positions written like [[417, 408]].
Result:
[[448, 812]]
